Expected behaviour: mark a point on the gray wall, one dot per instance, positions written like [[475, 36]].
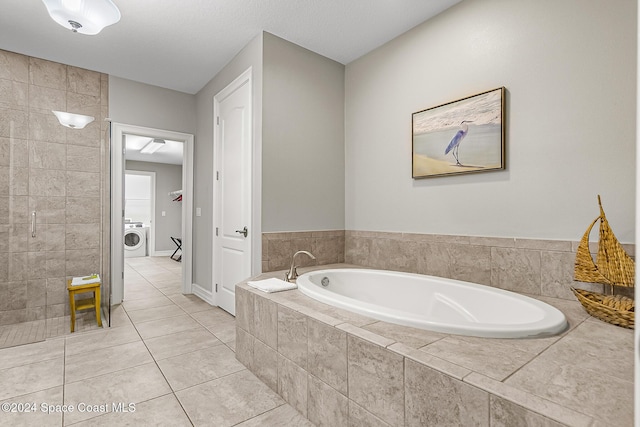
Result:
[[141, 104], [569, 68], [168, 178], [302, 139], [249, 56]]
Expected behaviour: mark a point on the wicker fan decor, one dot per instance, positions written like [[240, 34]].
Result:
[[612, 267]]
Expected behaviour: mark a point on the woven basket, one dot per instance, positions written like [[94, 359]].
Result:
[[615, 309]]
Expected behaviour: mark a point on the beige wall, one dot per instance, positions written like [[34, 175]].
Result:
[[60, 173], [569, 68]]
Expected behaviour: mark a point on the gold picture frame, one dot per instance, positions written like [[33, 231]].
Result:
[[462, 136]]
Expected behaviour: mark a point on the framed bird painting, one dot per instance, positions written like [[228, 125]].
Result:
[[461, 136]]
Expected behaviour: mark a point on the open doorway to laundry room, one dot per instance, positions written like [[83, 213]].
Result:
[[152, 180]]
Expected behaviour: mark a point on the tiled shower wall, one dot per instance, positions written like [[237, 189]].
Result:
[[537, 267], [60, 173]]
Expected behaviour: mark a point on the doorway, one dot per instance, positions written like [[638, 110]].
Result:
[[148, 137]]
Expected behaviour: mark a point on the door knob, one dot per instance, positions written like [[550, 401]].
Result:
[[244, 231]]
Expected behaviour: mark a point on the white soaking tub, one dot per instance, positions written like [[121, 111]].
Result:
[[434, 303]]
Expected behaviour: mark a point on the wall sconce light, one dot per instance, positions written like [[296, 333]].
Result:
[[83, 16], [73, 121], [153, 146]]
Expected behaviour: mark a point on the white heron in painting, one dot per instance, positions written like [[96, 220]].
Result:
[[457, 139]]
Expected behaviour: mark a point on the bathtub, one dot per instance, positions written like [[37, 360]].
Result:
[[434, 303]]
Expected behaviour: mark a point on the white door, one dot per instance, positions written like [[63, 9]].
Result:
[[232, 187]]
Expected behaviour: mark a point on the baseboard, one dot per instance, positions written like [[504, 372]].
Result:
[[162, 253], [201, 292]]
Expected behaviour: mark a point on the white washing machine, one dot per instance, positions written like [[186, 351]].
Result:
[[135, 241]]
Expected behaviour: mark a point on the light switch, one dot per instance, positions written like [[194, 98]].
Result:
[[164, 213], [198, 212]]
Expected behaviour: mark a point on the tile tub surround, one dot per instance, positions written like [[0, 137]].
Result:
[[536, 267], [277, 248], [340, 368]]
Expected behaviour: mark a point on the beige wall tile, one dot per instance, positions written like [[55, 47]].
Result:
[[244, 348], [82, 210], [557, 274], [376, 380], [14, 123], [265, 317], [47, 73], [83, 81], [506, 414], [327, 357], [44, 126], [85, 104], [13, 93], [36, 293], [433, 398], [90, 136], [327, 407], [46, 155], [14, 152], [37, 267], [292, 336], [82, 236], [18, 182], [359, 417], [81, 158], [292, 384], [244, 309], [54, 237], [82, 184], [265, 364], [56, 290], [82, 262], [47, 182], [516, 270], [45, 98], [14, 66]]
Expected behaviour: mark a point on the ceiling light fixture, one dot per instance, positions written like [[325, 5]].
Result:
[[73, 121], [153, 146], [83, 16]]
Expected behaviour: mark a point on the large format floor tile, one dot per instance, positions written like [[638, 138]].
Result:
[[25, 354], [99, 340], [157, 328], [181, 343], [25, 379], [193, 368], [229, 400], [164, 411], [159, 341], [92, 364], [133, 385], [36, 414]]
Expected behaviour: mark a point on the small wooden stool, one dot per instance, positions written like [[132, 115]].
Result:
[[83, 304]]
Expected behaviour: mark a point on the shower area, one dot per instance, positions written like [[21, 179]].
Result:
[[54, 194]]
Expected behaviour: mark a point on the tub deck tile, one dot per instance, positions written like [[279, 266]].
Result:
[[582, 377], [412, 337], [489, 358]]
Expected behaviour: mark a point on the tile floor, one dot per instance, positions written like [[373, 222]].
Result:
[[168, 359]]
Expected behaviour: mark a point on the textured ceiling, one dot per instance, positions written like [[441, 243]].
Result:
[[181, 45]]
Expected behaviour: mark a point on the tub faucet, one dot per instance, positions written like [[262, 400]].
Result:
[[292, 274]]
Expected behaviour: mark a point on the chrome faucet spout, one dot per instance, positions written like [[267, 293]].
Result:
[[292, 274]]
